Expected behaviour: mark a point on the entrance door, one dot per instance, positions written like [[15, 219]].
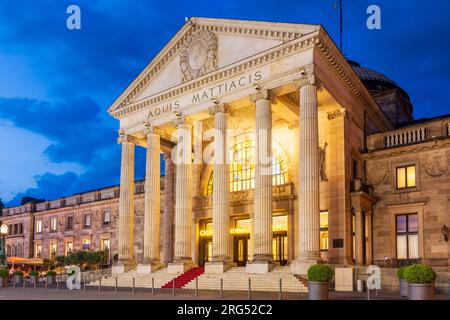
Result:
[[240, 250], [279, 248], [205, 251]]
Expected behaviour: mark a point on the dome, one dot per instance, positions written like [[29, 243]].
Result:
[[374, 80]]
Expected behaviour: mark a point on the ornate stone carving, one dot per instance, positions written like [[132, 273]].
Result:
[[436, 165], [199, 56], [323, 162], [377, 173], [336, 114]]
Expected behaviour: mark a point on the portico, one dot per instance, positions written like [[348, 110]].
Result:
[[254, 117]]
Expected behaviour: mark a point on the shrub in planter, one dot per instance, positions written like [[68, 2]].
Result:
[[4, 274], [319, 276], [421, 279], [51, 277], [18, 275], [403, 282]]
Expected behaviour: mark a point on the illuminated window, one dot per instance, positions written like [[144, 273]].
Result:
[[52, 250], [38, 251], [242, 168], [38, 226], [53, 224], [324, 230], [406, 177], [105, 244], [86, 244], [69, 248]]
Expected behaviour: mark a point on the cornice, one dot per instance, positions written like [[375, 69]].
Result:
[[328, 50], [281, 51], [406, 150]]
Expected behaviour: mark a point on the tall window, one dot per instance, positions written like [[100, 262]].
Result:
[[87, 220], [407, 236], [406, 177], [52, 250], [106, 217], [38, 251], [69, 223], [69, 248], [105, 244], [53, 224], [242, 168], [324, 230], [86, 244], [38, 226]]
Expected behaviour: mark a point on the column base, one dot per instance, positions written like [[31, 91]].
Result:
[[216, 267], [301, 267], [179, 267], [119, 268], [147, 267], [259, 266]]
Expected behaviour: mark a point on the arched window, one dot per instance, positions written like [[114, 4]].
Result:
[[242, 168]]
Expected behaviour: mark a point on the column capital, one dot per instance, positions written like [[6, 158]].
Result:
[[124, 137], [149, 129], [307, 77], [261, 94], [220, 107]]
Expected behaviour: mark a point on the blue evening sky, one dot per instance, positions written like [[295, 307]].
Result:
[[56, 84]]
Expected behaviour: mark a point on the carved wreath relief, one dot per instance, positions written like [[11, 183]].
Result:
[[199, 56], [377, 173], [436, 165]]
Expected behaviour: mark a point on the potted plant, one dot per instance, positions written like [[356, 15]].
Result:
[[4, 278], [51, 277], [18, 276], [403, 282], [421, 279], [319, 276], [34, 276]]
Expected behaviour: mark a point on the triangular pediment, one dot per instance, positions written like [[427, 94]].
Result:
[[202, 46]]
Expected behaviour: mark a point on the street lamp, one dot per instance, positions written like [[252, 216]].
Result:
[[3, 234]]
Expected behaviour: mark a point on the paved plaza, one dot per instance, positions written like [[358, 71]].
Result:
[[109, 293]]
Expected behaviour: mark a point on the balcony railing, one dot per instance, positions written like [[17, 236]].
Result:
[[405, 137], [278, 192], [357, 185]]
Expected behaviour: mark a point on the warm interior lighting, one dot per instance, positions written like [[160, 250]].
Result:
[[4, 230]]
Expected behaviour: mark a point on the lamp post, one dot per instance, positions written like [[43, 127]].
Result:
[[3, 234]]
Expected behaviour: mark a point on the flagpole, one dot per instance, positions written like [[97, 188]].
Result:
[[340, 23]]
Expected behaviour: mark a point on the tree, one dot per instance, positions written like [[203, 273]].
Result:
[[27, 199], [2, 206]]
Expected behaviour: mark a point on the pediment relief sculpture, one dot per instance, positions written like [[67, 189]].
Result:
[[199, 56]]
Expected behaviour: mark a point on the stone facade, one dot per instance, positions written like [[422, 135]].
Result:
[[335, 133]]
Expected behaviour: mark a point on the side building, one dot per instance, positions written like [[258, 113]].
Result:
[[84, 221]]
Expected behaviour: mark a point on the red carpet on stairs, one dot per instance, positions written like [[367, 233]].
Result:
[[185, 278]]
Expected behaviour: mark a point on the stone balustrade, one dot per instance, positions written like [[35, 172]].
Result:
[[417, 133]]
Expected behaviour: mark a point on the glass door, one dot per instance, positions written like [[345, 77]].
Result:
[[241, 250], [279, 248]]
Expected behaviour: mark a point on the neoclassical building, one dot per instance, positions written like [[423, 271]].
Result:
[[283, 153], [278, 152]]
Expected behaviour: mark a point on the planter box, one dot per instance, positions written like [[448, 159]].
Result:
[[18, 279], [318, 290], [403, 288], [421, 291], [34, 280], [51, 280], [3, 282]]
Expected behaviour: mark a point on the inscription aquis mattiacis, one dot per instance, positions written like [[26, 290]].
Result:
[[206, 94]]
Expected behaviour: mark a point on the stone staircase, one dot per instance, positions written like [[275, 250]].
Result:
[[183, 279], [237, 279], [160, 277]]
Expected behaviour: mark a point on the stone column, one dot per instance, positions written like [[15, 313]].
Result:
[[126, 207], [359, 237], [152, 206], [167, 237], [309, 210], [262, 261], [221, 190], [183, 203]]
